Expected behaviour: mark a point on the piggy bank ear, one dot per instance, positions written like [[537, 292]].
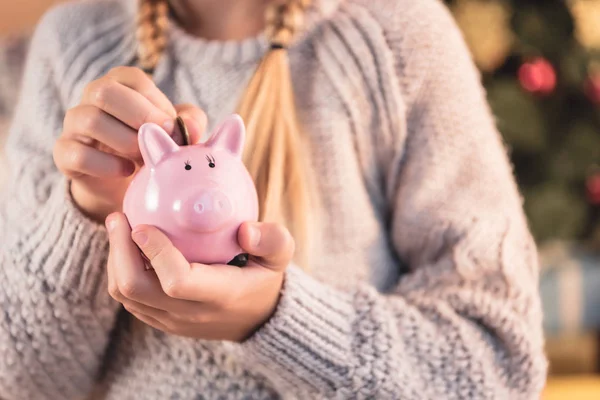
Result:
[[155, 143], [229, 135]]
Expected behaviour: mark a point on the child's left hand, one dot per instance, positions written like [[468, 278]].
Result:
[[213, 302]]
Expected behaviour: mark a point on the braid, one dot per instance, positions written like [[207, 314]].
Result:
[[284, 20], [152, 21], [273, 153]]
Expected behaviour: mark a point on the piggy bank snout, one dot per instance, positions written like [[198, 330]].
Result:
[[206, 210]]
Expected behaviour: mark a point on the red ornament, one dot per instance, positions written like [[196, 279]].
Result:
[[593, 189], [592, 88], [538, 76]]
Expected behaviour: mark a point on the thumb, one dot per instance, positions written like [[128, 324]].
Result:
[[271, 244], [195, 120], [160, 251]]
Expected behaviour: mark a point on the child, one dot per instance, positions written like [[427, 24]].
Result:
[[418, 279]]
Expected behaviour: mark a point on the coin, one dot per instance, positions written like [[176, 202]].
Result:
[[184, 131]]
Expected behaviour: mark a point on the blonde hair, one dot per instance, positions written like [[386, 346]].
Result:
[[274, 146]]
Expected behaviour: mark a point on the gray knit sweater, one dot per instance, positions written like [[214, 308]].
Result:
[[424, 280]]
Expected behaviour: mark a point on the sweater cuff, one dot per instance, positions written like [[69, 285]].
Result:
[[308, 339], [64, 248]]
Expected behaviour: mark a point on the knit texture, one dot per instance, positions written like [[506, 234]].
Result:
[[424, 281], [13, 50]]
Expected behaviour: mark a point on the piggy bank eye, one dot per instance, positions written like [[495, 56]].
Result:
[[211, 161], [187, 166]]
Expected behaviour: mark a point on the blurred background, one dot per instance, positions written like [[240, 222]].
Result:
[[540, 63]]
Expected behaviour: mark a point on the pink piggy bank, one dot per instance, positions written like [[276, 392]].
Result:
[[198, 195]]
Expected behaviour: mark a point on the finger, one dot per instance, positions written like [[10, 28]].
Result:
[[124, 259], [92, 122], [170, 265], [208, 284], [219, 285], [125, 104], [152, 322], [271, 244], [76, 159], [195, 119], [110, 268], [138, 308], [139, 81], [133, 284], [162, 317]]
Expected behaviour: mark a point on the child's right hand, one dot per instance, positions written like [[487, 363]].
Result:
[[98, 148]]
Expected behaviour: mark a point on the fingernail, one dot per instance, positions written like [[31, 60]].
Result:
[[255, 235], [140, 238], [168, 126], [111, 222]]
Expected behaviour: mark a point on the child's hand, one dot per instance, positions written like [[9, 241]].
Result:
[[214, 302], [98, 148]]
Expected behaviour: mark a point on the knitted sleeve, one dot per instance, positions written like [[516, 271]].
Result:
[[465, 321], [56, 314]]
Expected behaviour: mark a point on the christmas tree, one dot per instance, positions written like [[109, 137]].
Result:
[[540, 64]]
